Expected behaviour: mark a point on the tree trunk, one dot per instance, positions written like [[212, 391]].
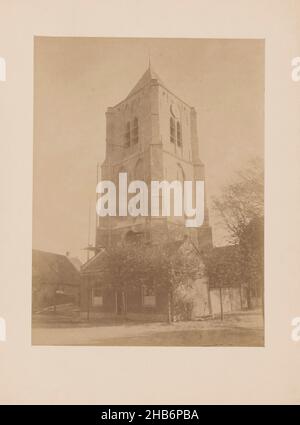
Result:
[[263, 301], [249, 304], [88, 300], [221, 304], [54, 302], [230, 298], [170, 307], [209, 300], [124, 303], [241, 296]]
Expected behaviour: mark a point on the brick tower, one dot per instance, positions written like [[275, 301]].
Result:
[[151, 135]]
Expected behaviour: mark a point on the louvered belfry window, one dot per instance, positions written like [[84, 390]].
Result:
[[172, 130], [135, 132], [127, 135], [179, 141]]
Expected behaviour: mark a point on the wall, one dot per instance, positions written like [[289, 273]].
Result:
[[231, 298], [133, 302]]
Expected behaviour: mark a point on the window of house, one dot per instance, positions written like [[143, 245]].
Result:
[[172, 130], [97, 297], [179, 141], [127, 135], [135, 135], [149, 297]]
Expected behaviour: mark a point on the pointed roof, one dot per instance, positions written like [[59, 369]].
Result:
[[146, 78], [95, 263]]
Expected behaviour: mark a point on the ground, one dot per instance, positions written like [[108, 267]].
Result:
[[244, 329]]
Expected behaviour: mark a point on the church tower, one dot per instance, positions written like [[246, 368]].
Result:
[[151, 135]]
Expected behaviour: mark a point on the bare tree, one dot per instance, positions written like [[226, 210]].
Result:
[[242, 200], [241, 209]]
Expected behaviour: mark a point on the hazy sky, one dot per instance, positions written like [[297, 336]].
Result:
[[76, 79]]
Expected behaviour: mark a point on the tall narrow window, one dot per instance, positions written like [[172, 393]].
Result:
[[179, 141], [127, 135], [135, 138], [172, 130]]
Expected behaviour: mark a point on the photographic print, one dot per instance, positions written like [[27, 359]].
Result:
[[148, 192]]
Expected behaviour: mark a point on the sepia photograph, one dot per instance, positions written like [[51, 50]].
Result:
[[148, 192], [150, 206]]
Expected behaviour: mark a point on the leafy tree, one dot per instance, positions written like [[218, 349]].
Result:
[[174, 267], [252, 259], [169, 267], [123, 267], [224, 270]]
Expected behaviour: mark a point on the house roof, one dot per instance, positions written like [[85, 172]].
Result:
[[97, 263], [94, 264], [76, 262], [51, 268]]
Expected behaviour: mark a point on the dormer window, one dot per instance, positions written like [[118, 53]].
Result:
[[172, 130], [127, 135], [135, 132]]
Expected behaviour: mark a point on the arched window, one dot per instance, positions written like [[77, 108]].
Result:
[[135, 138], [172, 130], [179, 139], [127, 135]]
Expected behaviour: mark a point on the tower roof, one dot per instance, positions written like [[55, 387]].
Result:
[[146, 78]]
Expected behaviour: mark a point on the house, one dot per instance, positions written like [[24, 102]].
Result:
[[75, 261], [235, 272], [55, 280], [224, 269], [99, 299], [129, 282]]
